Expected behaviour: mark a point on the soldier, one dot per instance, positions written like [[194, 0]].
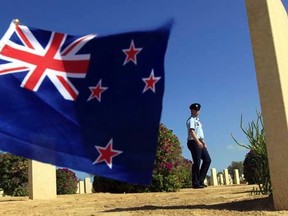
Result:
[[197, 147]]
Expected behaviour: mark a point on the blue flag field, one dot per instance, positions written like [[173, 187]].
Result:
[[91, 103]]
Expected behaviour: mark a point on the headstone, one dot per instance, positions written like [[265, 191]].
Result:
[[81, 187], [230, 179], [88, 185], [41, 180], [236, 176], [214, 180], [221, 179], [242, 179], [78, 188], [226, 177], [206, 182], [268, 24]]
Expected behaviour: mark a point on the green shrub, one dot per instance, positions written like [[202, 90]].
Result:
[[249, 167], [256, 169], [66, 181], [13, 175], [185, 173]]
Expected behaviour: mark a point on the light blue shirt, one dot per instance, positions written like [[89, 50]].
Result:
[[195, 124]]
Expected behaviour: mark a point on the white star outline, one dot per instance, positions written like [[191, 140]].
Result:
[[104, 150], [150, 82], [135, 52], [96, 91]]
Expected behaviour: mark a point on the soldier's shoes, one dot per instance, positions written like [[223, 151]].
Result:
[[198, 187]]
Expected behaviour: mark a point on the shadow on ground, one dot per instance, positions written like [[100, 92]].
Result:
[[12, 200], [261, 204]]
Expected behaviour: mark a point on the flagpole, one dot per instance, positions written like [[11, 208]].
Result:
[[16, 21]]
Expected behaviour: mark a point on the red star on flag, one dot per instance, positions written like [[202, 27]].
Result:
[[106, 153], [97, 91], [150, 82], [131, 53]]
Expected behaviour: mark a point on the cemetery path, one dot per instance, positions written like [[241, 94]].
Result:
[[235, 200]]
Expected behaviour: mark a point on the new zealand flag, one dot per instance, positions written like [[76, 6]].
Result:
[[90, 103]]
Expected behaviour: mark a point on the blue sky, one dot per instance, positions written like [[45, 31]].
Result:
[[209, 57]]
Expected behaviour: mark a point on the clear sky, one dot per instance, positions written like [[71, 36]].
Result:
[[209, 57]]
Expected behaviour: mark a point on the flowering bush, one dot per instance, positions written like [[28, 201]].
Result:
[[185, 173], [66, 181], [171, 170]]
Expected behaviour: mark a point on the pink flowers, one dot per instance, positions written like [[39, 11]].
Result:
[[170, 170]]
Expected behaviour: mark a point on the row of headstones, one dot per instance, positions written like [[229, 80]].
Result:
[[224, 178], [84, 186]]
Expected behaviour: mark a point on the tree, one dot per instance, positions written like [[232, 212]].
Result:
[[13, 175]]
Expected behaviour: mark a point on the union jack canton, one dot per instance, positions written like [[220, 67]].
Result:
[[54, 56]]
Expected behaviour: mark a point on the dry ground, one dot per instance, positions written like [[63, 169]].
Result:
[[215, 201]]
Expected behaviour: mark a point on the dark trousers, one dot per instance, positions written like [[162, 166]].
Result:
[[198, 154]]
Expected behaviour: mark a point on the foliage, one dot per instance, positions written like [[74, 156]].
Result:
[[168, 174], [171, 171], [235, 165], [66, 181], [13, 175], [250, 167], [256, 167], [101, 184], [185, 172]]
